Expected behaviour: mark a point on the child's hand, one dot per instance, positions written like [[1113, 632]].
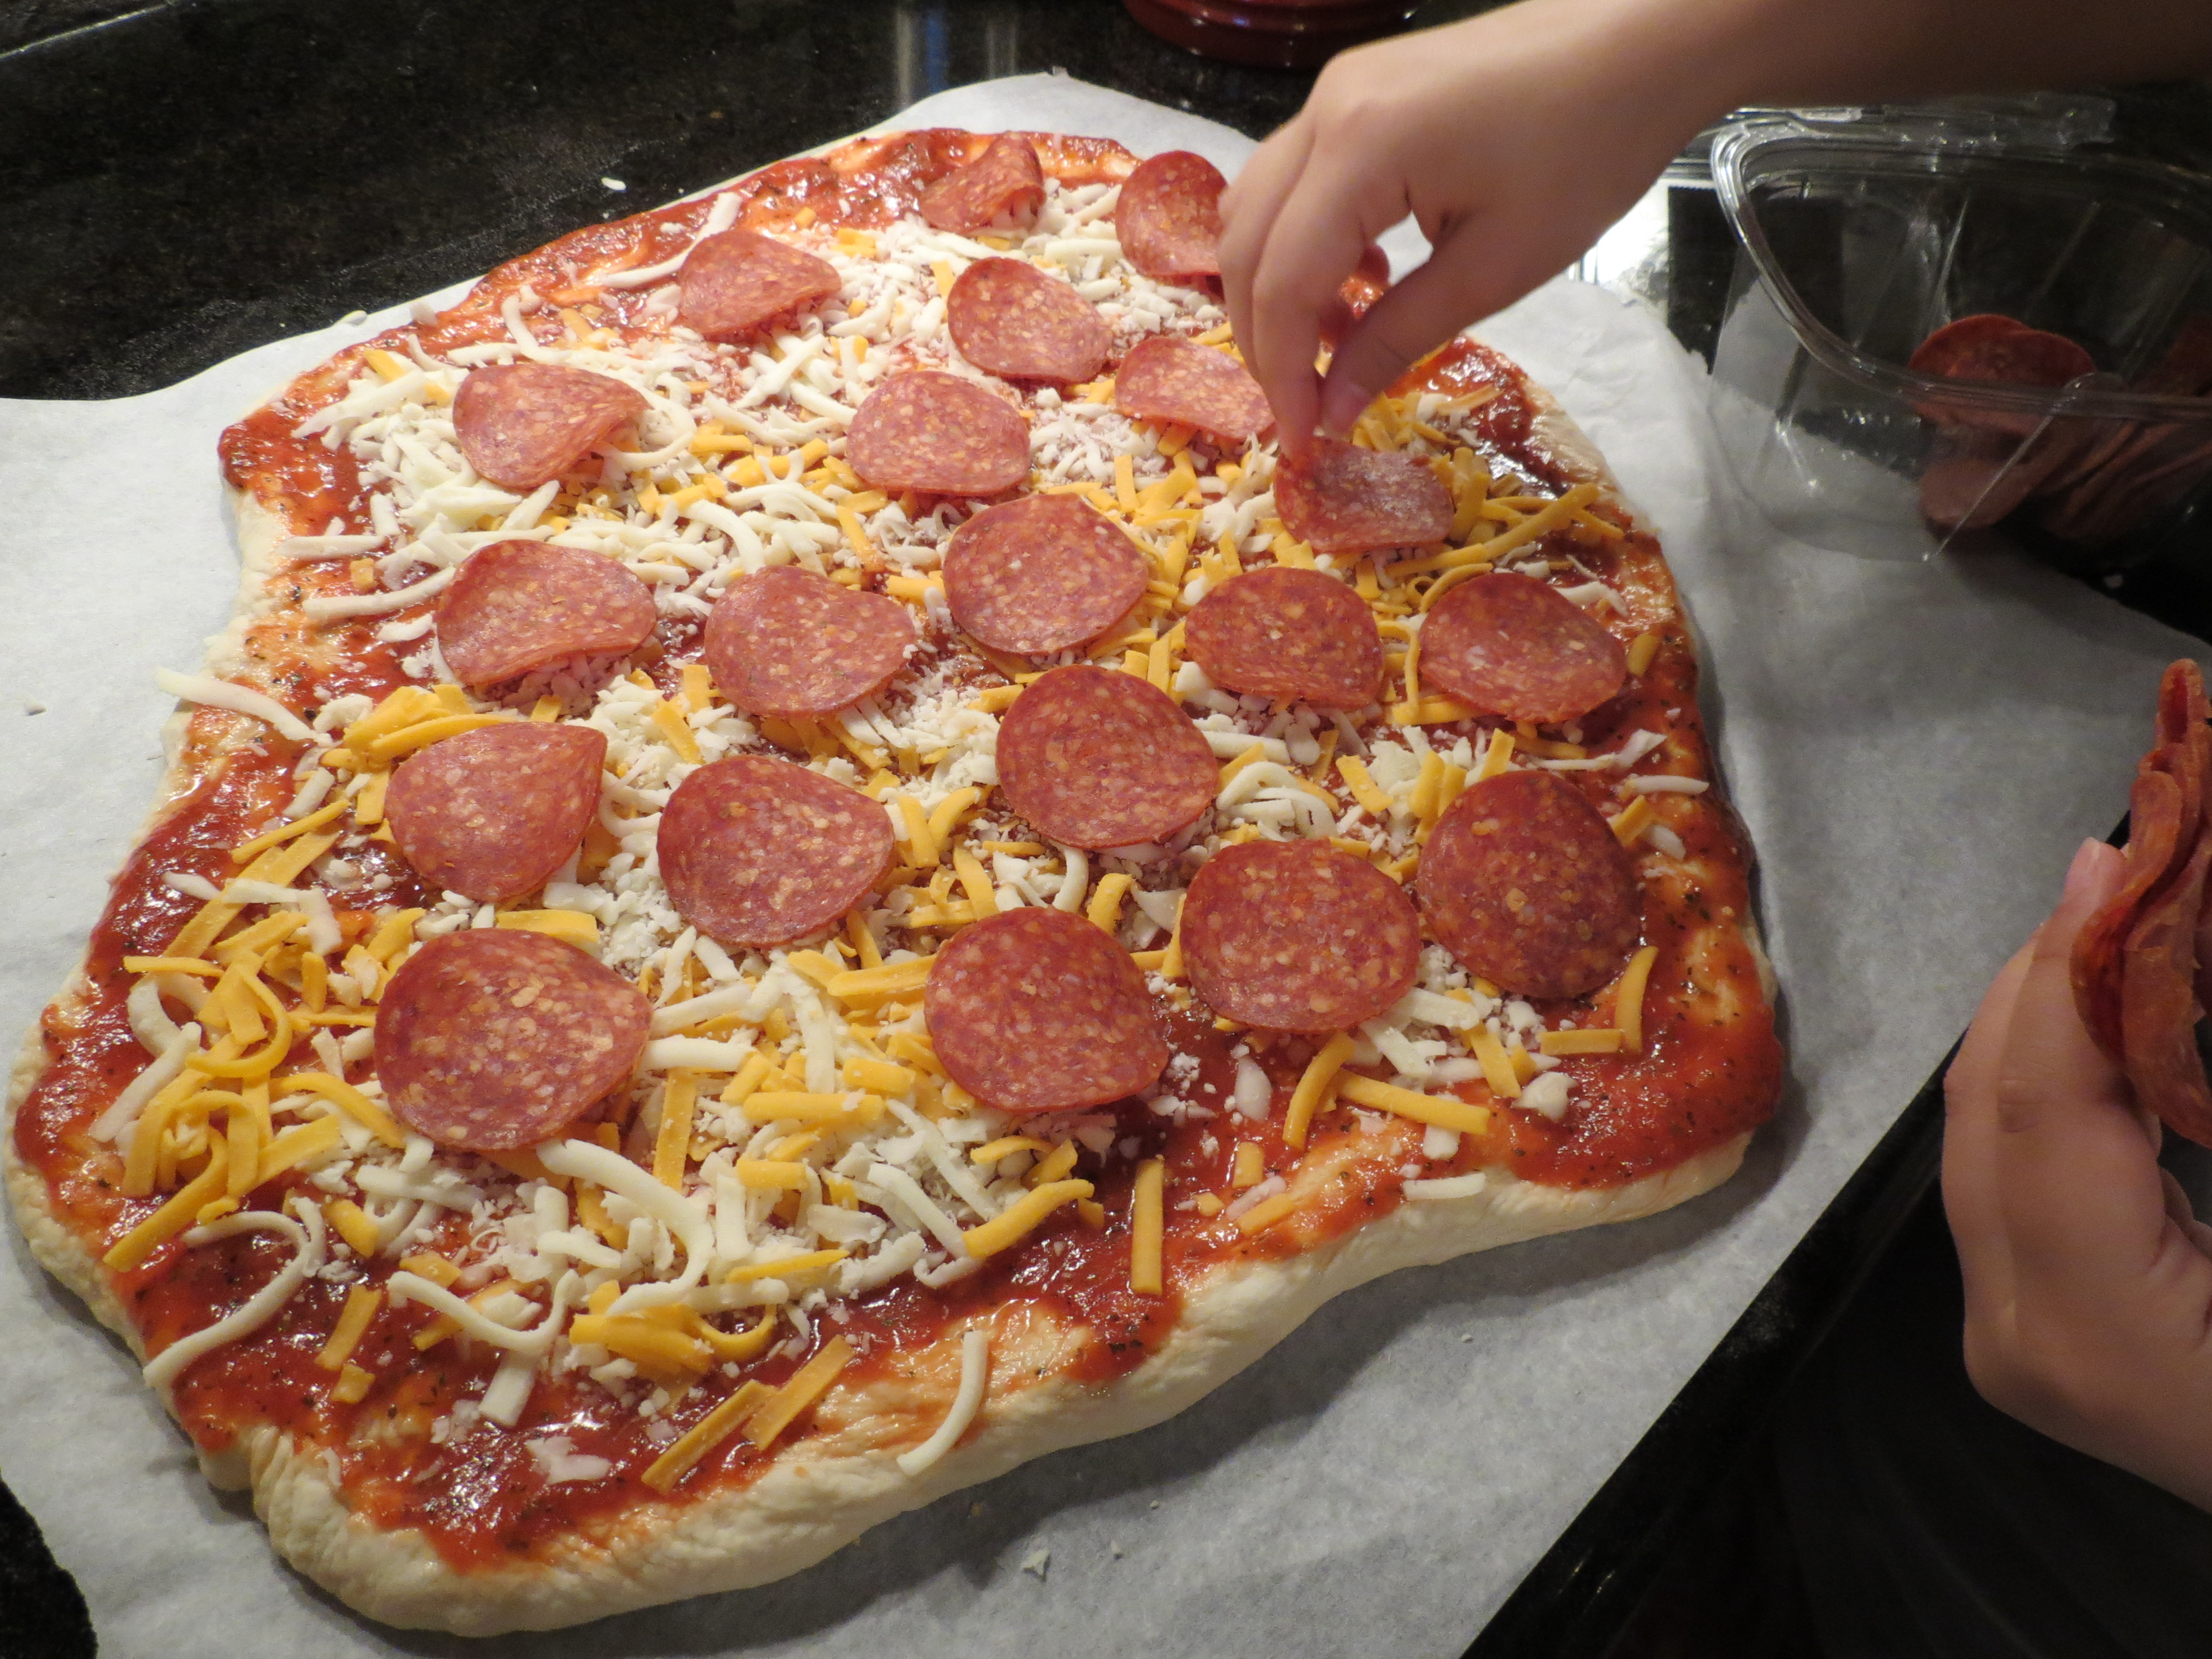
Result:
[[1514, 138], [2088, 1287]]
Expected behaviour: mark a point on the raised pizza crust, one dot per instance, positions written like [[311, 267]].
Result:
[[843, 1478]]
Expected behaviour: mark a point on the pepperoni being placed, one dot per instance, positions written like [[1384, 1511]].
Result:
[[1511, 645], [1525, 882], [936, 433], [1169, 216], [758, 852], [523, 424], [1003, 182], [733, 282], [1340, 499], [490, 814], [492, 1039], [1296, 636], [1095, 757], [1041, 573], [1168, 378], [1009, 318], [1039, 1011], [1297, 936], [785, 641], [520, 605]]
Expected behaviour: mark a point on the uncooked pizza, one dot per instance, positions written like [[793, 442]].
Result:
[[812, 868]]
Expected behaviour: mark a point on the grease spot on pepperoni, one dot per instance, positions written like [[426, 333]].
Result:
[[735, 281], [1511, 645], [1169, 378], [1525, 882], [523, 424], [1009, 318], [492, 813], [1004, 181], [928, 431], [1298, 936], [1297, 636], [1168, 216], [1097, 758], [493, 1039], [1341, 499], [1041, 573], [785, 641], [521, 605], [1037, 1010], [758, 851]]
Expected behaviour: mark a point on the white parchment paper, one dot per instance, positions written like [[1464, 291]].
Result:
[[1916, 749]]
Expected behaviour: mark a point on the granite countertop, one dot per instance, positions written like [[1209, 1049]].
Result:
[[187, 180]]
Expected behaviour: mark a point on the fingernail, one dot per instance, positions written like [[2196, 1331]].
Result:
[[2085, 860], [1341, 404]]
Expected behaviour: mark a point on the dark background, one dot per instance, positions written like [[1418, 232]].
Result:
[[180, 182]]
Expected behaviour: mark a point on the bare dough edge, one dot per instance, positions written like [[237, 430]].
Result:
[[827, 1491]]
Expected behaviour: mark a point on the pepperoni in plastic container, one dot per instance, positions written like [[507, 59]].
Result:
[[490, 814], [736, 279], [1038, 1011], [1297, 636], [758, 852], [1003, 182], [493, 1039], [1511, 645], [1095, 757], [1341, 499], [1169, 216], [1009, 318], [1298, 936], [1041, 573], [935, 433], [523, 424], [1990, 347], [1524, 881], [520, 605], [1167, 378], [785, 641]]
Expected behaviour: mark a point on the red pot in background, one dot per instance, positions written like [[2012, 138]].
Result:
[[1280, 34]]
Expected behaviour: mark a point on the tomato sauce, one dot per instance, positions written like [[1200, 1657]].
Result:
[[413, 1453]]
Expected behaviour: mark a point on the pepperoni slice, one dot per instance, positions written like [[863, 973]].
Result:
[[1297, 936], [733, 282], [1038, 1011], [1169, 216], [1168, 378], [1513, 646], [936, 433], [1297, 636], [1009, 318], [1041, 573], [1003, 182], [1524, 881], [522, 425], [520, 605], [785, 642], [492, 813], [1988, 347], [759, 852], [492, 1039], [1095, 757], [1341, 499]]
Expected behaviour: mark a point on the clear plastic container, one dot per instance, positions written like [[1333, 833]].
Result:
[[1860, 236]]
